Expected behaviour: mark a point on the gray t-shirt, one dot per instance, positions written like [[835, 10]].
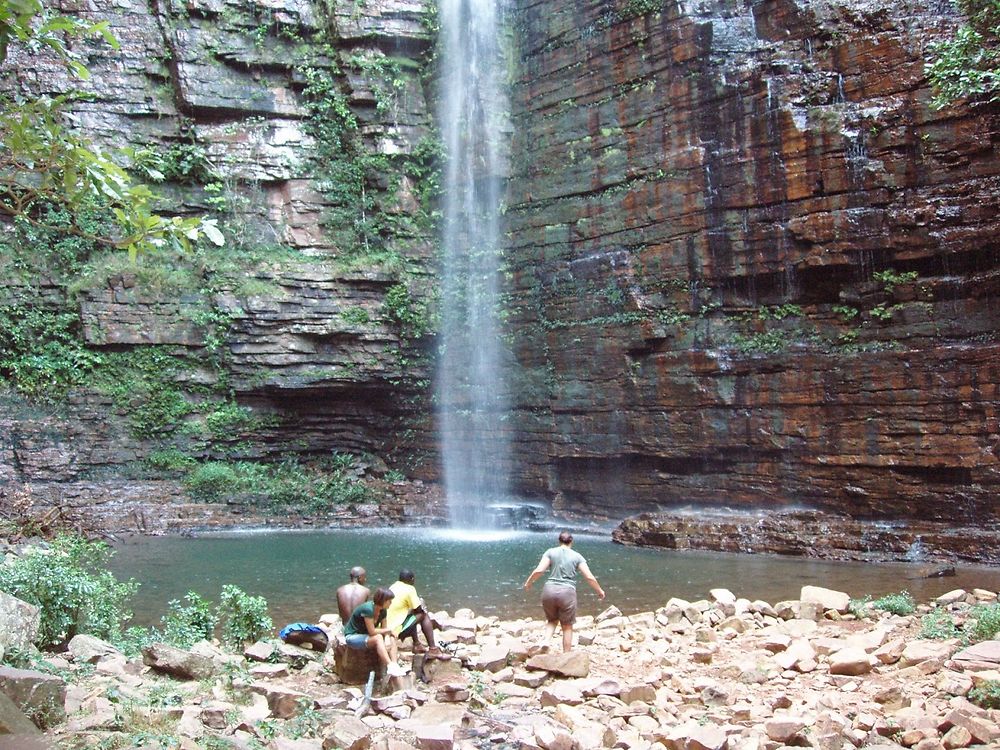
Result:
[[564, 562]]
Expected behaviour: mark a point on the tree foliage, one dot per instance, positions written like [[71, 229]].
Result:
[[70, 585], [43, 163], [968, 65]]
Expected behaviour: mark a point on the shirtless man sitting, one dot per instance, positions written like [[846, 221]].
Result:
[[350, 595]]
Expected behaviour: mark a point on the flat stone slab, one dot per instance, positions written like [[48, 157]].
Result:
[[984, 651], [571, 664]]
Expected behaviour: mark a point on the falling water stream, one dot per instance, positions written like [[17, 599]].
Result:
[[471, 389]]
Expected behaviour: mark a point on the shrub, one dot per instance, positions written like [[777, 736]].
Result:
[[937, 625], [211, 481], [287, 484], [985, 622], [244, 617], [897, 604], [186, 624], [72, 588]]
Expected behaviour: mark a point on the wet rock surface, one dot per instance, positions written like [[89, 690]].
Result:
[[766, 681], [750, 263], [750, 267], [814, 534]]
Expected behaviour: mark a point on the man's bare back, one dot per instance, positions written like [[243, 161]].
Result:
[[350, 595]]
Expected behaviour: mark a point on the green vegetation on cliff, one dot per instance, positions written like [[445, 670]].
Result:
[[967, 66]]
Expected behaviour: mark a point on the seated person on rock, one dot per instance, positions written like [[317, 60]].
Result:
[[350, 595], [365, 629], [407, 612]]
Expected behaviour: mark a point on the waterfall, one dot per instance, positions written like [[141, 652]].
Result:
[[471, 390]]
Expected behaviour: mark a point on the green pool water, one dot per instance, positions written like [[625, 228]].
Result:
[[298, 572]]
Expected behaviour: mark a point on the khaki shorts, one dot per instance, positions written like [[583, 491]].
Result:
[[559, 603]]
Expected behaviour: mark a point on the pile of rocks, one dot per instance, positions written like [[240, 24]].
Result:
[[722, 673]]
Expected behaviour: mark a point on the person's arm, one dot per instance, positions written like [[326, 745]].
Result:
[[543, 565], [372, 630], [589, 578]]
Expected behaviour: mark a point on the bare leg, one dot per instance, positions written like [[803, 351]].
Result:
[[378, 643], [567, 629], [393, 648], [428, 627], [550, 628]]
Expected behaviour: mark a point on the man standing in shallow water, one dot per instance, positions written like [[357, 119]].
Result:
[[559, 591], [350, 595]]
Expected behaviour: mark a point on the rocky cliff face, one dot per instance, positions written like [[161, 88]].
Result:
[[301, 126], [752, 268]]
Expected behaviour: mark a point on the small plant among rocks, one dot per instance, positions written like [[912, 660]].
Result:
[[938, 625], [897, 604], [986, 694], [985, 622], [901, 604]]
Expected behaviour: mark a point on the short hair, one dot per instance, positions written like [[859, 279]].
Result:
[[406, 575], [565, 538], [382, 595], [357, 572]]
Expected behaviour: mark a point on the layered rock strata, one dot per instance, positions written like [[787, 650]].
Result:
[[752, 267], [298, 339]]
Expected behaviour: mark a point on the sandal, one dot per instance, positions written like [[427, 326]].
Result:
[[436, 653]]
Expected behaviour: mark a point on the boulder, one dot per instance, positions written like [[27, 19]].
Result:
[[86, 649], [825, 598], [347, 733], [434, 737], [982, 730], [354, 665], [178, 662], [13, 721], [561, 693], [569, 664], [692, 736], [259, 651], [490, 659], [284, 703], [41, 697], [19, 622], [850, 661], [553, 736], [951, 597], [984, 651], [920, 650]]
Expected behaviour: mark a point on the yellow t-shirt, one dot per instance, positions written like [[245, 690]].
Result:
[[404, 600]]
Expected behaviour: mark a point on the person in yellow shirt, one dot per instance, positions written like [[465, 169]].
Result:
[[407, 612]]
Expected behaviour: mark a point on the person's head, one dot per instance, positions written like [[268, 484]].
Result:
[[358, 575], [382, 597], [565, 538], [406, 576]]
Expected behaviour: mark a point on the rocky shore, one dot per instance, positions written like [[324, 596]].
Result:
[[722, 673]]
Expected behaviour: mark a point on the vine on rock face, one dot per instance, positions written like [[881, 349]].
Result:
[[968, 65]]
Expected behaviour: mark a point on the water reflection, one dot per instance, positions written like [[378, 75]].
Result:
[[298, 572]]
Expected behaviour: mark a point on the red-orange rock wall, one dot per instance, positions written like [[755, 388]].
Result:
[[751, 266]]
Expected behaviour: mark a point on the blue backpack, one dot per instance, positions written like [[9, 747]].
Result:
[[301, 633]]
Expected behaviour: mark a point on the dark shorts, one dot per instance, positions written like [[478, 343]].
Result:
[[559, 603], [409, 627]]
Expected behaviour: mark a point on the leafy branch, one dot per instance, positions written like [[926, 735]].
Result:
[[44, 164]]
